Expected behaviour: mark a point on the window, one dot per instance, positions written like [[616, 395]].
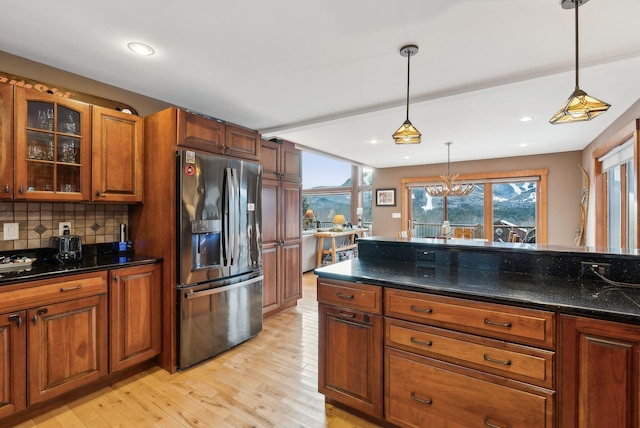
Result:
[[616, 201], [333, 187], [502, 207]]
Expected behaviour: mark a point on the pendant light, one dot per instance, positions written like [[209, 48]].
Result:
[[449, 187], [407, 133], [579, 106]]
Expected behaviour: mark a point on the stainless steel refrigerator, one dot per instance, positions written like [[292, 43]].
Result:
[[219, 270]]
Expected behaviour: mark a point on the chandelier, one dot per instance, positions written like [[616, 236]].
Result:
[[449, 186], [407, 133], [579, 106]]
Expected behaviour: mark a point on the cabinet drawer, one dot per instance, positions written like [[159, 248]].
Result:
[[37, 293], [528, 326], [518, 362], [352, 295], [422, 395]]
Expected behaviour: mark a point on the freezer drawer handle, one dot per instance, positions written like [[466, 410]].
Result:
[[209, 291]]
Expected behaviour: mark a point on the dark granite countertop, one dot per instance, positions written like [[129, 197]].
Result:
[[577, 296], [42, 268]]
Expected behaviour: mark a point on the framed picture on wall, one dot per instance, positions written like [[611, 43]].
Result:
[[385, 197]]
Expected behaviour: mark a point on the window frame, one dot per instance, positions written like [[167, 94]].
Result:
[[486, 179], [629, 132]]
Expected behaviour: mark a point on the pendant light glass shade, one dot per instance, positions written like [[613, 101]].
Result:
[[449, 186], [580, 106], [407, 133]]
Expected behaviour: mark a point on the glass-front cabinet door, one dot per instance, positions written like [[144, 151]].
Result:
[[52, 151], [6, 142]]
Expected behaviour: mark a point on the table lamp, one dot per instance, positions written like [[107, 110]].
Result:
[[359, 213], [339, 220], [308, 218]]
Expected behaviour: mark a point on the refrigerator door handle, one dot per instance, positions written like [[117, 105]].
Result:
[[232, 210]]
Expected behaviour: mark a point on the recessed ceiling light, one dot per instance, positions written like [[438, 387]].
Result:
[[407, 157], [374, 141], [526, 118], [523, 145], [141, 48]]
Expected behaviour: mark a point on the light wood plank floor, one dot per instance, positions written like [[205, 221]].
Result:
[[269, 381]]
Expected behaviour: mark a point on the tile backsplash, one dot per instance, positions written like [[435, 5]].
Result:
[[38, 221]]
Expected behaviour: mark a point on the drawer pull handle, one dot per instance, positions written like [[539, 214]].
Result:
[[77, 287], [489, 424], [345, 315], [16, 318], [421, 342], [421, 400], [491, 360], [345, 296], [499, 324], [425, 311]]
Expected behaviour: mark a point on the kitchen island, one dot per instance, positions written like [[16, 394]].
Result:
[[474, 332]]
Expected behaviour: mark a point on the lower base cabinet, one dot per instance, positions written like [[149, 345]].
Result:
[[134, 315], [13, 342], [67, 346], [350, 345], [60, 334], [420, 394], [600, 366]]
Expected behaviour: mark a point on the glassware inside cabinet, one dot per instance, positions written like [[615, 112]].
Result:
[[39, 146], [68, 149], [68, 178], [40, 115], [68, 121]]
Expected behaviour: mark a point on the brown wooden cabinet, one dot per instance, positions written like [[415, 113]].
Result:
[[214, 136], [281, 245], [600, 369], [6, 141], [54, 338], [67, 346], [350, 335], [281, 225], [13, 397], [117, 156], [441, 351], [52, 152], [281, 161], [134, 315]]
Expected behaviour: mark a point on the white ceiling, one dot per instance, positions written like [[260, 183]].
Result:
[[328, 74]]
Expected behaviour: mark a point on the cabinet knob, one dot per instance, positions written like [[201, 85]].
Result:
[[21, 190], [7, 189], [116, 278]]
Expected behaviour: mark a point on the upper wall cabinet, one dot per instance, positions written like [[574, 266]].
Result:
[[281, 161], [52, 154], [6, 142], [117, 156], [213, 136]]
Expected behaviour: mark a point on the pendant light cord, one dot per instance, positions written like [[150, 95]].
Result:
[[577, 3], [448, 159], [408, 71]]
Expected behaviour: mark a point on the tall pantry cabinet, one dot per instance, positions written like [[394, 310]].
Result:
[[281, 225]]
